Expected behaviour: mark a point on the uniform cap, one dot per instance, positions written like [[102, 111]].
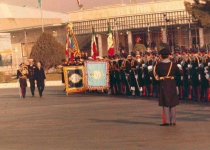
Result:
[[164, 51]]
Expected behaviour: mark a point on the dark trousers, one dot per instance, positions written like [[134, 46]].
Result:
[[40, 86], [32, 86], [170, 114], [23, 91]]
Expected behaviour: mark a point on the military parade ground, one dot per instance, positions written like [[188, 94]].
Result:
[[95, 121]]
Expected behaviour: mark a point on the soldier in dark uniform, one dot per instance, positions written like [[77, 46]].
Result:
[[31, 68], [194, 74], [207, 75], [178, 79], [186, 75], [153, 80], [122, 66], [165, 72], [204, 81], [133, 76], [22, 74], [147, 89]]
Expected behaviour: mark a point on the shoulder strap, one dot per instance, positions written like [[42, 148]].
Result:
[[169, 71]]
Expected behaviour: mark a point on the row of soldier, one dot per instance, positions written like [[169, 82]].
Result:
[[133, 74]]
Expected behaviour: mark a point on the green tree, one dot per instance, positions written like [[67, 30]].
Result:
[[200, 10], [48, 51]]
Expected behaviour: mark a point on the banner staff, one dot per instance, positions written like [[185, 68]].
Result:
[[41, 8]]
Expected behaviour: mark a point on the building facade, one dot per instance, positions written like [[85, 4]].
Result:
[[152, 22]]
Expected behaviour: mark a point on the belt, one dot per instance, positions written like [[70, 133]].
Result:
[[169, 77]]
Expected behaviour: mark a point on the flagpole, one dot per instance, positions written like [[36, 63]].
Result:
[[42, 17]]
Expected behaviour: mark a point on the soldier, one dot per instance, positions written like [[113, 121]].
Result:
[[122, 66], [194, 74], [22, 74], [204, 81], [186, 76], [153, 80], [31, 68], [178, 79], [207, 75], [133, 75], [165, 71], [147, 88]]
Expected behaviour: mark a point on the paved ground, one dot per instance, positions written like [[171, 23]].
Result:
[[97, 122]]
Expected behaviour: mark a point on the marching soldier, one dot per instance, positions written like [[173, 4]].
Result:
[[31, 68], [22, 74], [165, 71]]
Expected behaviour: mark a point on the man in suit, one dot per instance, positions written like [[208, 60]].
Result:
[[39, 77], [165, 72], [31, 68]]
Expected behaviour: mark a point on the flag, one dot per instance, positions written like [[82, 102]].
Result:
[[110, 41], [78, 2], [94, 51], [40, 2]]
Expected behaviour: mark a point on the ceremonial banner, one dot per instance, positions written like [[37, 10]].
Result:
[[96, 75], [74, 79]]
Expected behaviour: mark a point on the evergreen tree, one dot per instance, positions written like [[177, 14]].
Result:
[[48, 51], [200, 10]]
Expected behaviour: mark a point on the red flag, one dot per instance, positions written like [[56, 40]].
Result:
[[78, 2], [110, 41], [94, 51]]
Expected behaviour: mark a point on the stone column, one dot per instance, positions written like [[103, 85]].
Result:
[[130, 42], [201, 37], [164, 36], [100, 50]]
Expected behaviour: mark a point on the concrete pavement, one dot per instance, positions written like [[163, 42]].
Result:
[[16, 85], [97, 122]]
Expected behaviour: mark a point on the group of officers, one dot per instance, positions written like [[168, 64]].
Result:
[[134, 74], [35, 74]]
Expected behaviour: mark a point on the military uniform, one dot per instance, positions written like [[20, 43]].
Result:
[[22, 74], [165, 71], [31, 77]]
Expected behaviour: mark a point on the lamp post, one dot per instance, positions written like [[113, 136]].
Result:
[[16, 61]]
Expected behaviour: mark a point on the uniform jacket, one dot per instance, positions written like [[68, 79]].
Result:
[[167, 87]]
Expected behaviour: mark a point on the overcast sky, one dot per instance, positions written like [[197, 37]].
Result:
[[66, 5]]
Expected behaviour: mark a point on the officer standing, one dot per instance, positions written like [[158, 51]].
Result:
[[31, 68], [165, 71]]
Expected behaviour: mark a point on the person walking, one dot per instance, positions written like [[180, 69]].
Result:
[[165, 72], [39, 77], [22, 74], [31, 68]]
